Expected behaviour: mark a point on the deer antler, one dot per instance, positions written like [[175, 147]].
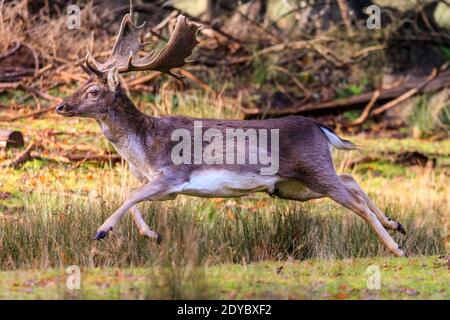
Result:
[[124, 55]]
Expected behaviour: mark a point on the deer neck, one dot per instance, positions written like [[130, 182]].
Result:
[[129, 130], [123, 121]]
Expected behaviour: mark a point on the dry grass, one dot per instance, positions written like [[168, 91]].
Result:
[[18, 25], [11, 30], [53, 228], [55, 209]]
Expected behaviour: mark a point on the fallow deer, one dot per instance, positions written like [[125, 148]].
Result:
[[305, 172]]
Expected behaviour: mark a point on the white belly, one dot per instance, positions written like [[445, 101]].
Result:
[[222, 183]]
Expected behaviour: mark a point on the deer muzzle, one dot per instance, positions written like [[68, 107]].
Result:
[[63, 109]]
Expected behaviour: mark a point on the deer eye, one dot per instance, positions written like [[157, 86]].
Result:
[[94, 92]]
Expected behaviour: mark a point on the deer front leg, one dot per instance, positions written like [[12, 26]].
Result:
[[155, 190], [144, 229]]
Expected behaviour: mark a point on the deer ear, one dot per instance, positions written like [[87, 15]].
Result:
[[113, 79]]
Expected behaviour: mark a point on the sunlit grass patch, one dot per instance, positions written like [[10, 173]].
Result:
[[413, 278], [54, 229]]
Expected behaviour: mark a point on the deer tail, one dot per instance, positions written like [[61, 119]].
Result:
[[335, 141]]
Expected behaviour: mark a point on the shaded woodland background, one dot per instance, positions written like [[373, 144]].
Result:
[[269, 58]]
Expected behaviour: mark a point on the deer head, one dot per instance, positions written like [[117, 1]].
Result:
[[99, 93]]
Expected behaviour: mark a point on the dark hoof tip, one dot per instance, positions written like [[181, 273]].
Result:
[[400, 228], [100, 235], [159, 239], [401, 248]]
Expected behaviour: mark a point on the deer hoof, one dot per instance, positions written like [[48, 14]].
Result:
[[403, 252], [400, 228], [100, 235], [159, 238]]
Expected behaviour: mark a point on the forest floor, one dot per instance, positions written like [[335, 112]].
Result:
[[248, 248]]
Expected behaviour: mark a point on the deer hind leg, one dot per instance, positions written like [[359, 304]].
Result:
[[144, 229], [388, 223], [355, 202]]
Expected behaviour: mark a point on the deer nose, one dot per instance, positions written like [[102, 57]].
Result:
[[60, 107]]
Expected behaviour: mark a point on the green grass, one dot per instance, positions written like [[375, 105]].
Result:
[[413, 278], [213, 248]]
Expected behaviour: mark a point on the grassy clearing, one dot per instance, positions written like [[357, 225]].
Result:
[[51, 211], [214, 248], [55, 232], [254, 247], [413, 278]]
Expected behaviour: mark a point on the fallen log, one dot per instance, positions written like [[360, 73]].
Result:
[[10, 139], [405, 158], [26, 156], [439, 82], [23, 157], [15, 74], [11, 51], [407, 94]]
